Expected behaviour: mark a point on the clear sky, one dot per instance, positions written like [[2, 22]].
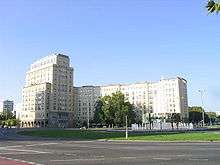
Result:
[[113, 41]]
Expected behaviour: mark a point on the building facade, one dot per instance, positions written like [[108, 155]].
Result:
[[49, 98], [8, 106], [85, 98], [160, 99], [47, 95]]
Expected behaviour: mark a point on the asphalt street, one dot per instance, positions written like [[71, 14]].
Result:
[[61, 152]]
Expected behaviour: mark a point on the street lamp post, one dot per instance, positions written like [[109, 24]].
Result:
[[126, 127], [202, 101], [87, 118]]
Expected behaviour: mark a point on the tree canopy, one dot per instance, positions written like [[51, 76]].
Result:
[[176, 119], [111, 110], [213, 6], [195, 115], [6, 115], [212, 117], [8, 118]]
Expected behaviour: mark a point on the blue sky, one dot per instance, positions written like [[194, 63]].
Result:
[[113, 41]]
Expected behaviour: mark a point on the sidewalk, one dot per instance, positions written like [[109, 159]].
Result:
[[5, 161]]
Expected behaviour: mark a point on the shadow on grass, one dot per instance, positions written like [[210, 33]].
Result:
[[51, 134]]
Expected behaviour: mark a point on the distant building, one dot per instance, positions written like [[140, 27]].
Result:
[[161, 99], [8, 106], [47, 95], [85, 98]]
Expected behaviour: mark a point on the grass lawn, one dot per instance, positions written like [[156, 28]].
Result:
[[74, 134], [195, 136], [93, 135]]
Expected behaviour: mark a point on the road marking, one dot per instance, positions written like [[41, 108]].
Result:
[[93, 147], [42, 144], [79, 142], [128, 157], [11, 146], [22, 150], [198, 159], [69, 154], [71, 160], [180, 155], [161, 158], [101, 156], [29, 145], [19, 153]]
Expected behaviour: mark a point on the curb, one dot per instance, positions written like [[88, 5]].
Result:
[[154, 141]]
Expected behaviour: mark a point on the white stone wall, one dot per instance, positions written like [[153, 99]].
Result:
[[56, 71]]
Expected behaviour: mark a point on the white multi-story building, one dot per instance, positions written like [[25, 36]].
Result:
[[170, 96], [47, 95], [49, 98], [158, 98], [85, 98], [18, 110]]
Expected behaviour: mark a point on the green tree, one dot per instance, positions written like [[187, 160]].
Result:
[[7, 115], [195, 114], [212, 117], [98, 111], [111, 110], [218, 118], [8, 118], [175, 118], [107, 113], [213, 6]]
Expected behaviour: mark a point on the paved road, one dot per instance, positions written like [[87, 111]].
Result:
[[93, 152], [61, 152]]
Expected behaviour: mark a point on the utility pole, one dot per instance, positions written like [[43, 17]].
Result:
[[148, 106], [202, 101], [126, 127]]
